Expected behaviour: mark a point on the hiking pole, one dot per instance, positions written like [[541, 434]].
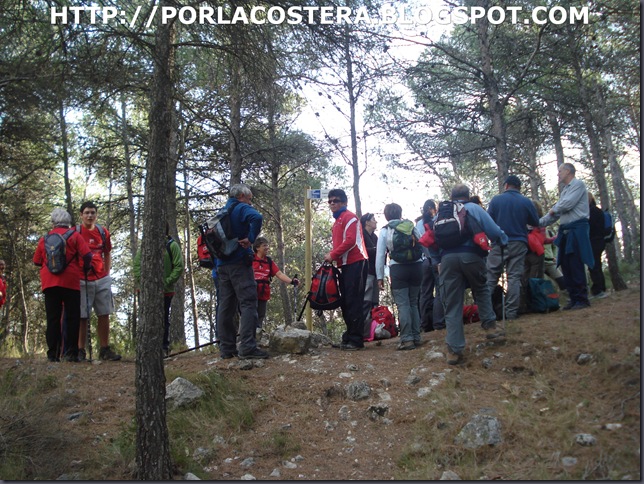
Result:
[[503, 284], [294, 299], [88, 336], [191, 349]]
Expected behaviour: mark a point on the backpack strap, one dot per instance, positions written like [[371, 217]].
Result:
[[101, 231]]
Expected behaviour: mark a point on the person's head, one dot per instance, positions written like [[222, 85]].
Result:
[[476, 199], [260, 245], [393, 211], [337, 199], [566, 173], [591, 200], [61, 218], [89, 214], [460, 192], [429, 207], [368, 222], [512, 182], [538, 207], [241, 192]]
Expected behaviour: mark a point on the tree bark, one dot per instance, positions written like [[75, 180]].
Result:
[[351, 91], [152, 440], [235, 120]]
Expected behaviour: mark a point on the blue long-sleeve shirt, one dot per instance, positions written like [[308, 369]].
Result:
[[246, 223], [512, 212]]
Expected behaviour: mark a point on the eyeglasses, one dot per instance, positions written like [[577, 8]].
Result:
[[335, 200]]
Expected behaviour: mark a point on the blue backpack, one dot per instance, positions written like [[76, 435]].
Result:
[[609, 226], [542, 297]]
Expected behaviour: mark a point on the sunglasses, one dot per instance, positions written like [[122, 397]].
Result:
[[335, 200]]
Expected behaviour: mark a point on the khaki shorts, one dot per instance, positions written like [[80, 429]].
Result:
[[100, 296]]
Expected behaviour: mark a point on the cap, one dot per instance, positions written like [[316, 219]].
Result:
[[513, 180]]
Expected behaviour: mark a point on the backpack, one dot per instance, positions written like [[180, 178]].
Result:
[[218, 235], [471, 314], [402, 241], [101, 231], [609, 226], [205, 260], [325, 289], [264, 285], [382, 315], [56, 251], [451, 229], [542, 297]]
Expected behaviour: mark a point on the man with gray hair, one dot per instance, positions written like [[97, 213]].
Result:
[[62, 286], [573, 240], [237, 286], [464, 265]]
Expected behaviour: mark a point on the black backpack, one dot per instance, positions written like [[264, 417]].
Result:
[[451, 229], [56, 251], [217, 234]]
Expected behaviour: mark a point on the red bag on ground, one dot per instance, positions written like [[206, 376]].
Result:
[[471, 314], [382, 314]]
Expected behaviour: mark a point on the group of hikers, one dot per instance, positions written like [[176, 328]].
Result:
[[430, 262], [465, 246]]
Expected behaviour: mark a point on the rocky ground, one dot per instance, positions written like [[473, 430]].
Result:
[[381, 414]]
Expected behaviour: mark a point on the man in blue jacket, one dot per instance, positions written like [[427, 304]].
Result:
[[512, 212], [462, 266], [237, 281], [573, 240]]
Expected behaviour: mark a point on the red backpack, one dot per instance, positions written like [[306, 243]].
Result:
[[382, 314], [325, 289], [203, 255]]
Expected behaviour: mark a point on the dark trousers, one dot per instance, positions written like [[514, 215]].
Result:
[[574, 273], [167, 304], [55, 298], [597, 272], [237, 289], [353, 278], [438, 311], [426, 303]]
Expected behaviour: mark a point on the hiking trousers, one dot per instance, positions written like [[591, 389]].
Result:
[[353, 278], [512, 263]]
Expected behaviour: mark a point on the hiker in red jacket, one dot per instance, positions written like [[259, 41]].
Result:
[[63, 288], [350, 254]]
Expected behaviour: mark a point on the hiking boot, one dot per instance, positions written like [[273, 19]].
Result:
[[568, 306], [579, 305], [107, 354], [494, 332], [227, 356], [454, 358], [82, 356], [70, 359], [53, 359], [255, 354], [407, 345], [350, 347]]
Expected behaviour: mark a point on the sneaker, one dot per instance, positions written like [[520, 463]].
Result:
[[407, 345], [255, 354], [454, 358], [107, 354], [601, 295], [70, 359], [82, 356], [568, 306], [350, 347]]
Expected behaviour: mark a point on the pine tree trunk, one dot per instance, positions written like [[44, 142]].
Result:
[[152, 440]]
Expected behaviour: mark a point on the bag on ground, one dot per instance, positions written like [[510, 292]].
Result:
[[542, 297], [471, 314], [325, 288], [451, 229], [218, 235], [382, 315], [402, 241], [56, 251]]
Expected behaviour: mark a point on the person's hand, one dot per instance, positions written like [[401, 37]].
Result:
[[328, 258], [245, 243], [295, 281], [381, 284]]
